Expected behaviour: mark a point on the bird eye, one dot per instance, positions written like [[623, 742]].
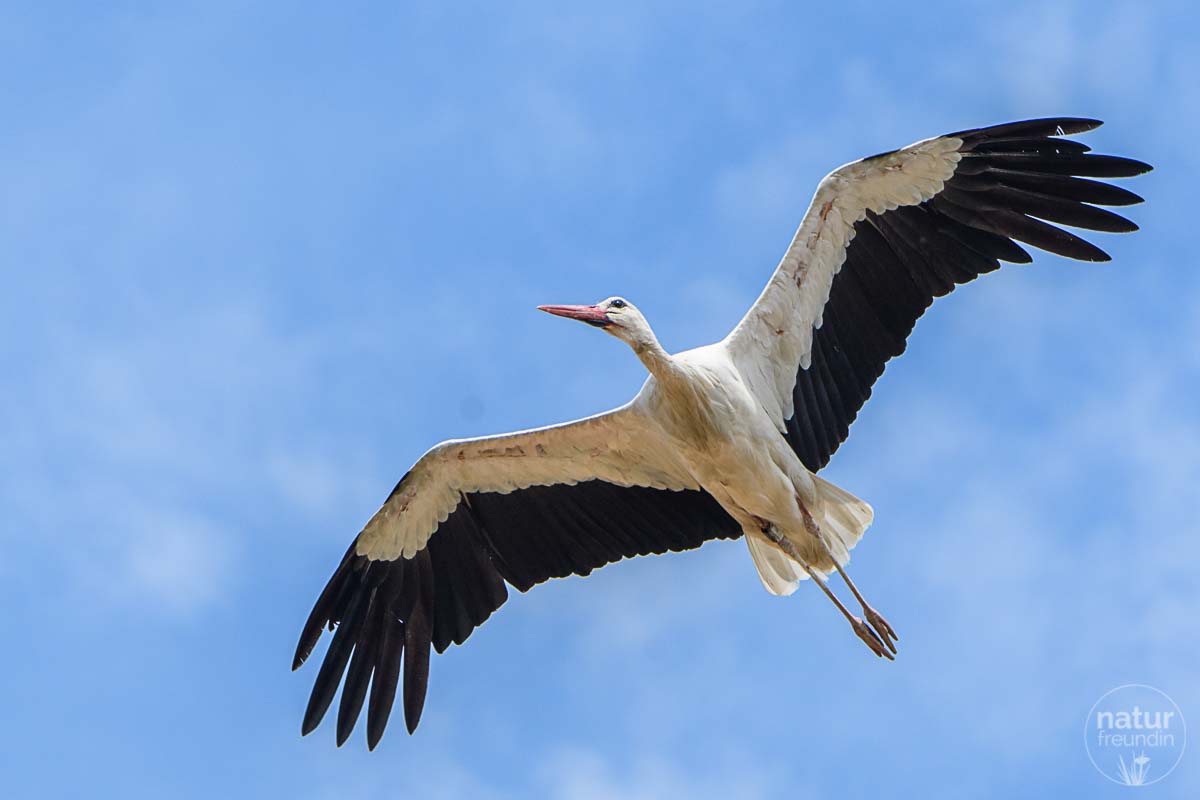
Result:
[[618, 303]]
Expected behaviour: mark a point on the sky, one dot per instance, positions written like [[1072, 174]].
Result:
[[257, 258]]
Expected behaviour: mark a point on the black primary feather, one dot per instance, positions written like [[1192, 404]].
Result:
[[388, 616]]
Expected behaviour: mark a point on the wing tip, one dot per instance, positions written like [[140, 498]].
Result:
[[1141, 166], [1041, 126], [387, 614], [312, 719]]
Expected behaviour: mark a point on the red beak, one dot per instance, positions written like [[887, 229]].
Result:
[[592, 315]]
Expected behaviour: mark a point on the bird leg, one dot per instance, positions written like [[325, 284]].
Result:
[[861, 629], [882, 627]]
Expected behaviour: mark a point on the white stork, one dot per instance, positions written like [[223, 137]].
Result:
[[722, 441]]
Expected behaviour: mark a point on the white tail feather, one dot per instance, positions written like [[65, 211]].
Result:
[[843, 520], [779, 574]]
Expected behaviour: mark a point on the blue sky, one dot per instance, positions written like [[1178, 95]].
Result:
[[257, 259]]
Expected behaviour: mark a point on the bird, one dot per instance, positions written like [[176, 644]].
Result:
[[723, 441]]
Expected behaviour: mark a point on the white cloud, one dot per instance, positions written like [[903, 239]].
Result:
[[420, 771], [148, 428], [1040, 50], [581, 773], [319, 480], [180, 563]]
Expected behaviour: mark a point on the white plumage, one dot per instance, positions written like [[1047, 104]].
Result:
[[722, 441], [776, 333], [622, 447]]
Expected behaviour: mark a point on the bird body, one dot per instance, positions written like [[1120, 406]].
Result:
[[733, 450], [723, 441]]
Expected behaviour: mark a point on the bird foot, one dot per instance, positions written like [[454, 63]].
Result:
[[882, 628], [870, 638]]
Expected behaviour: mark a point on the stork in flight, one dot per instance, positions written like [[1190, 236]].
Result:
[[722, 441]]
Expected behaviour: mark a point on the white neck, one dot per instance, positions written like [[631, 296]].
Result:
[[651, 353]]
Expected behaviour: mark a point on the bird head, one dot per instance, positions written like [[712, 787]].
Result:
[[616, 316]]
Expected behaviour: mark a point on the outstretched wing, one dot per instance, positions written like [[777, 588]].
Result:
[[473, 514], [886, 235]]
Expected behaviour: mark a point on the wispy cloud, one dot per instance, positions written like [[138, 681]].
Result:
[[585, 774], [173, 562]]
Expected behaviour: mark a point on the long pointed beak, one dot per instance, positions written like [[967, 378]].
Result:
[[592, 315]]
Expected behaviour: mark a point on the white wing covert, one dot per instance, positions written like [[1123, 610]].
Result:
[[622, 447]]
